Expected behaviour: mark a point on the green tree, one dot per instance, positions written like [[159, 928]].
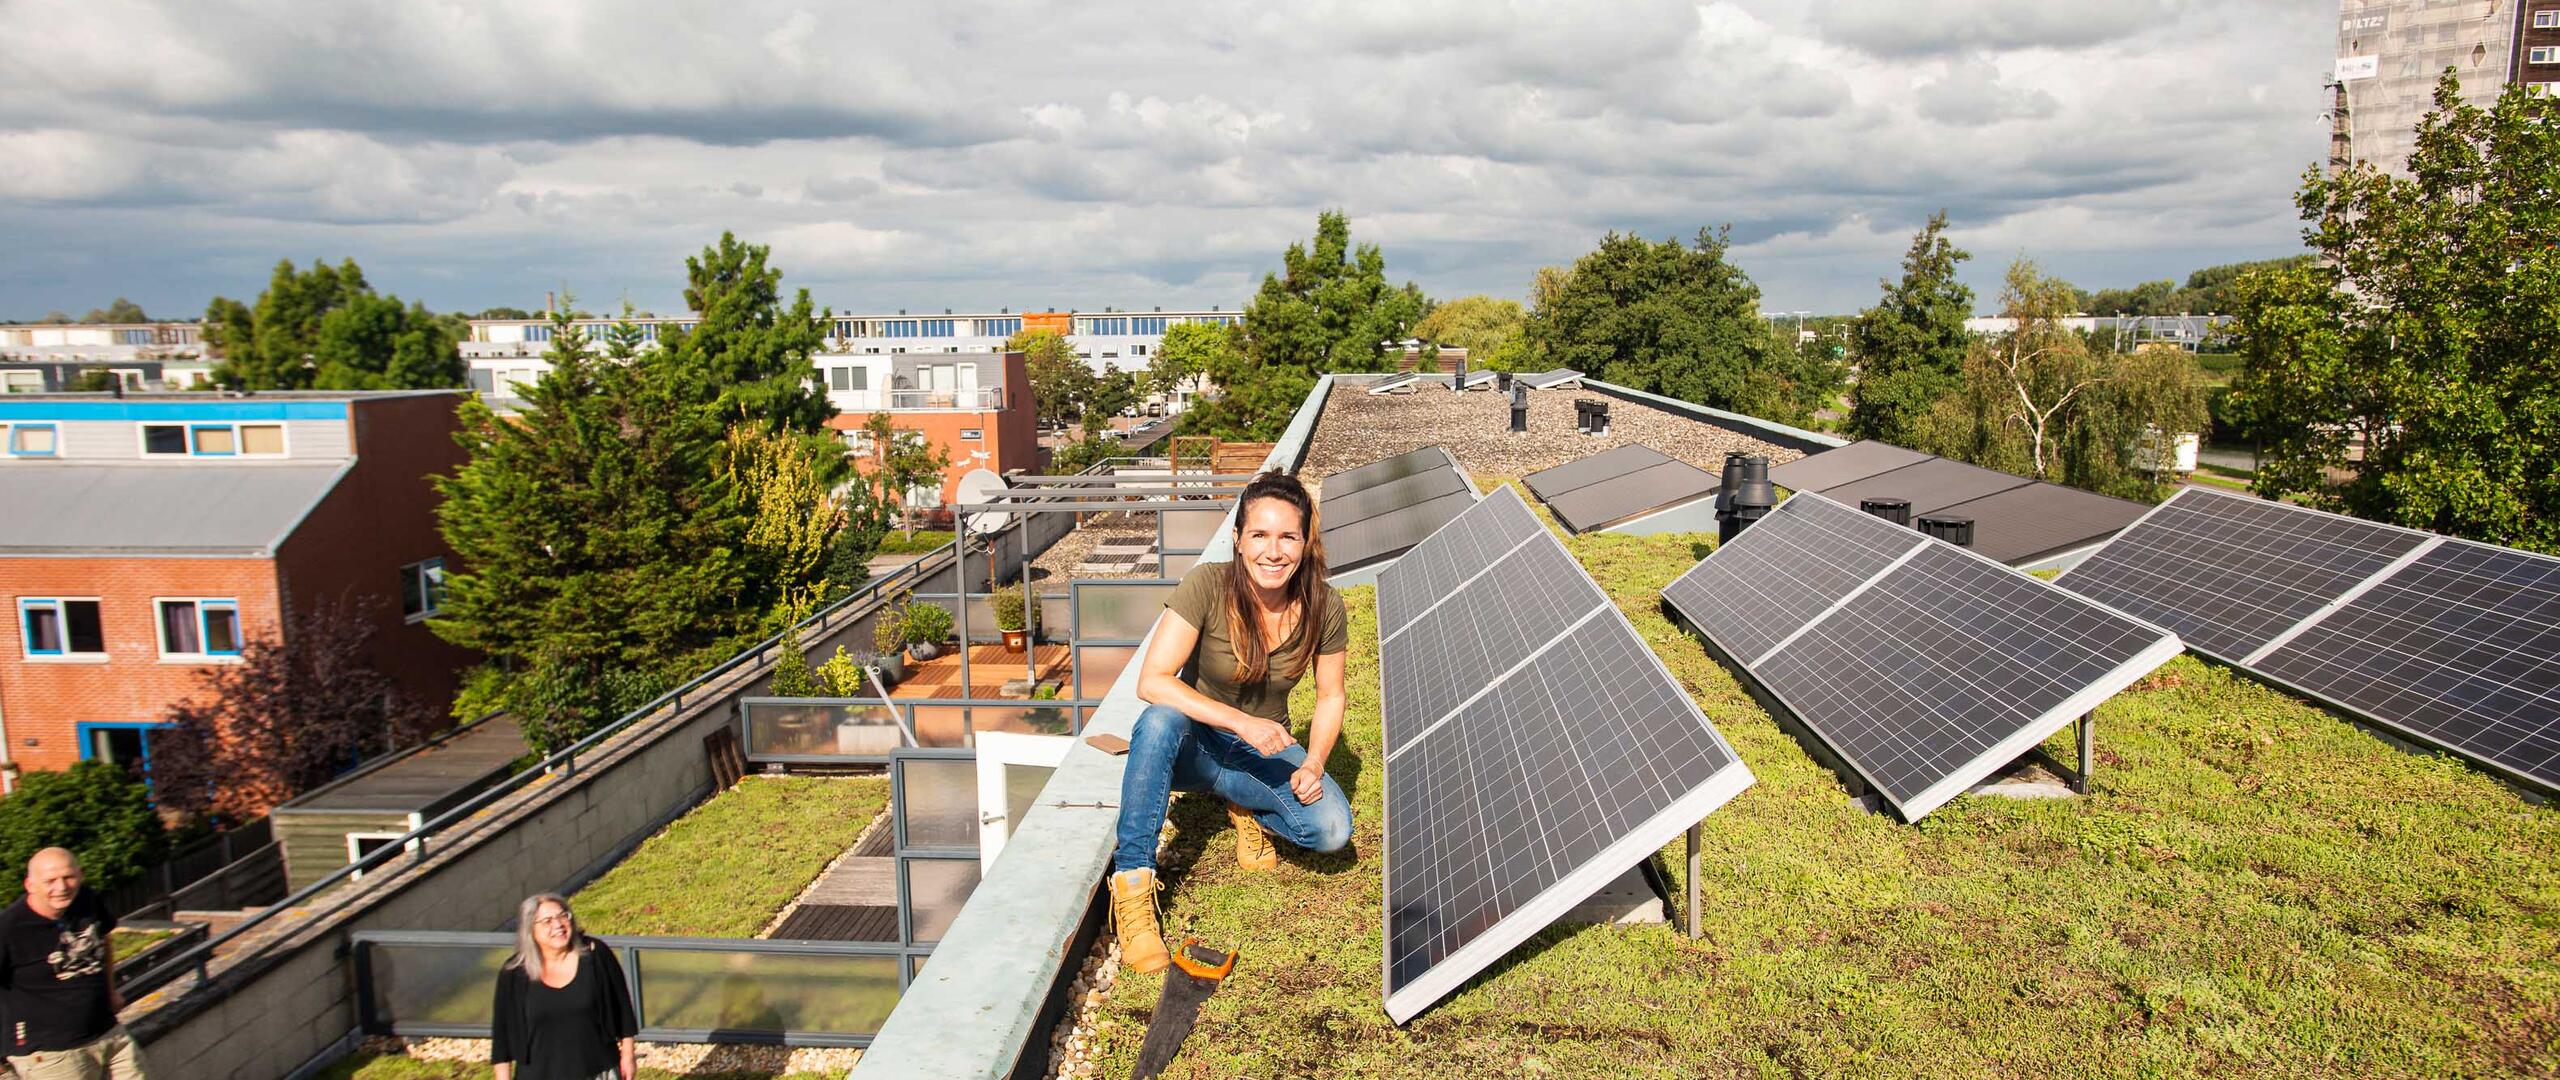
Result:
[[508, 313], [1113, 391], [901, 462], [2037, 370], [1910, 347], [1481, 325], [98, 810], [750, 345], [2126, 436], [1191, 350], [122, 311], [2421, 332], [326, 329], [1329, 309], [1669, 318], [1061, 382]]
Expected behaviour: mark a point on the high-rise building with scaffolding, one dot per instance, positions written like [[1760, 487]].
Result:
[[2391, 52]]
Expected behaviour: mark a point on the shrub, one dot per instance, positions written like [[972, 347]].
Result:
[[888, 631], [927, 624], [1009, 610], [841, 676], [791, 675], [99, 811]]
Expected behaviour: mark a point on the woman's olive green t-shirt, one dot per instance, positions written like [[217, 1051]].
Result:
[[1202, 600]]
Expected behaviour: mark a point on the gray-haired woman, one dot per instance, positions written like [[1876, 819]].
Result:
[[563, 1009]]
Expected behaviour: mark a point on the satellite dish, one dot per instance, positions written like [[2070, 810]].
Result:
[[983, 486]]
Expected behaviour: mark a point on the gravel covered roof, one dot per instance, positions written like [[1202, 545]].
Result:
[[1359, 428]]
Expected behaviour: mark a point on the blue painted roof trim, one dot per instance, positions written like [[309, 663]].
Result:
[[215, 409]]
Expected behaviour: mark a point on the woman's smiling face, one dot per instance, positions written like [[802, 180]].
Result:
[[1270, 542]]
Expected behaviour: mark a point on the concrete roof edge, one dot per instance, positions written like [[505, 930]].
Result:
[[1769, 429], [973, 1010]]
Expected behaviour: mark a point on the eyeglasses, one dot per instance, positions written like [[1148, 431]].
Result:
[[561, 919]]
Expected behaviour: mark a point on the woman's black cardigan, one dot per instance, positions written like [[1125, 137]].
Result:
[[510, 1032]]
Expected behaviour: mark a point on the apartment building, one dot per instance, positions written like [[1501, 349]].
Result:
[[51, 358], [977, 406], [150, 537], [2391, 52], [1123, 339]]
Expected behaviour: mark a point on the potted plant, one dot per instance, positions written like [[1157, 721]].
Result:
[[889, 636], [842, 676], [928, 626], [1012, 617]]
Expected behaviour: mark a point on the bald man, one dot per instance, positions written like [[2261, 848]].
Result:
[[57, 980]]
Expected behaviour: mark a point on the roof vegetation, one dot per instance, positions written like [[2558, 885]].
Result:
[[2255, 887]]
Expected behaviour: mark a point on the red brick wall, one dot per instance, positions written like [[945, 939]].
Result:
[[381, 517], [42, 701], [1010, 436]]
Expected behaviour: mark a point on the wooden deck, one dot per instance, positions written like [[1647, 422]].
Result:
[[990, 667]]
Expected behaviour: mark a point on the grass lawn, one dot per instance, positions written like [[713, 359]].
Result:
[[726, 868], [2256, 887], [129, 942], [925, 541]]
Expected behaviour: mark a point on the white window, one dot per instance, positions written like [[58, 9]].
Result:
[[61, 628], [198, 627], [858, 442], [159, 439], [968, 433], [213, 440], [422, 589], [848, 379], [22, 382], [34, 440], [2546, 20], [2543, 54]]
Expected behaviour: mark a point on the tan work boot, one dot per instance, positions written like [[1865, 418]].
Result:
[[1253, 846], [1133, 918]]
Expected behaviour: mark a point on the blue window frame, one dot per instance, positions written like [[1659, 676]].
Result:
[[1149, 324], [199, 626], [126, 743], [61, 627], [212, 440], [35, 440]]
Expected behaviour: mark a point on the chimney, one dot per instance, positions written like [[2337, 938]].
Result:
[[1599, 417], [1581, 417], [1752, 499], [1954, 530], [1502, 381], [1519, 408], [1897, 511]]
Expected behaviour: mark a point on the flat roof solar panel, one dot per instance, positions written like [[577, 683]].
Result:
[[1923, 666], [2459, 648], [2230, 573], [2038, 521], [1386, 536], [1535, 748], [1437, 566], [1546, 484], [1767, 583], [1842, 464], [1337, 510], [1634, 495], [1387, 468], [1931, 485]]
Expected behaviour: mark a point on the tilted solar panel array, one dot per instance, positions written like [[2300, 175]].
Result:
[[1536, 749], [1617, 485], [1375, 512], [2452, 643], [1924, 667]]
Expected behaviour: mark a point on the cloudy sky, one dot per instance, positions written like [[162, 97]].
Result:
[[974, 155]]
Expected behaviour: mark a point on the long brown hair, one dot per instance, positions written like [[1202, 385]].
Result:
[[1305, 587]]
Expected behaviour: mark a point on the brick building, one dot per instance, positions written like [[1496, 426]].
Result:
[[147, 538], [976, 406]]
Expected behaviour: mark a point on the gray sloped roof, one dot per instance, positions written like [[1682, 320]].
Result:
[[145, 509]]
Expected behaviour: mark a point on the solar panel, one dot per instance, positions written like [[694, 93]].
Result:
[[2448, 642], [1546, 380], [1931, 485], [1436, 566], [1924, 667], [1389, 535], [1388, 468], [2229, 573], [1615, 486], [2027, 524], [1536, 749], [1390, 496], [1840, 465]]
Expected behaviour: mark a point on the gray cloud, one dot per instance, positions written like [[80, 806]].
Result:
[[986, 154]]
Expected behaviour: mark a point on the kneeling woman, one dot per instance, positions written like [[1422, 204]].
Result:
[[1217, 678]]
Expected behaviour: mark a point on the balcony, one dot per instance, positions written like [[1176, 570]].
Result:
[[984, 399]]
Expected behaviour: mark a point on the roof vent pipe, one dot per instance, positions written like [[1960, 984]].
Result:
[[1729, 480], [1954, 530], [1519, 408], [1502, 381], [1897, 511], [1753, 497]]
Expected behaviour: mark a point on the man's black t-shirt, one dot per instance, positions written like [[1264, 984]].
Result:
[[53, 975]]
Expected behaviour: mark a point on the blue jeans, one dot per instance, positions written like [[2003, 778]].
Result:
[[1170, 752]]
